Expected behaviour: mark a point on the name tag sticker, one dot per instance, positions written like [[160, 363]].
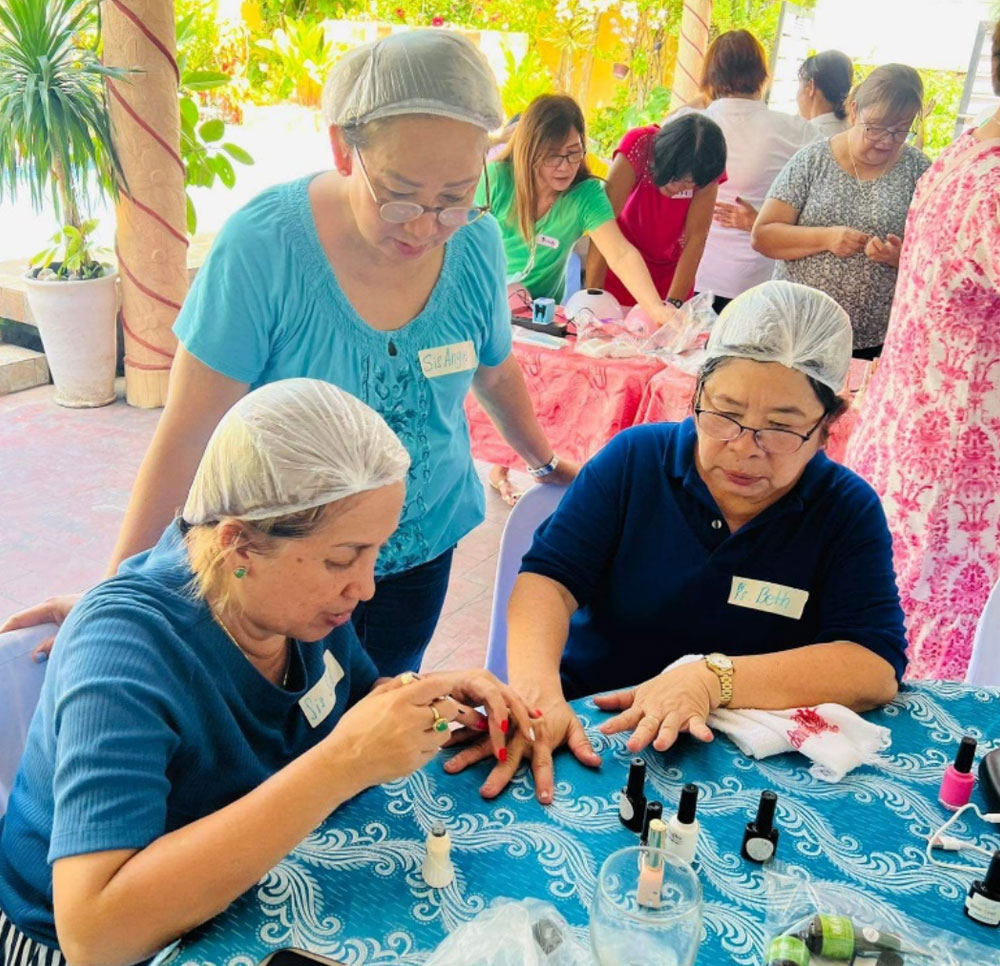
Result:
[[768, 597], [320, 699], [547, 241], [447, 359]]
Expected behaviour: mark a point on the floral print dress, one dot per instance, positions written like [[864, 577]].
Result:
[[929, 435]]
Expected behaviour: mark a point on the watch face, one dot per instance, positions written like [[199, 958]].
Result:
[[720, 661]]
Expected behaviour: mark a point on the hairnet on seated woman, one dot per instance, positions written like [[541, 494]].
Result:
[[417, 72], [289, 446], [795, 325]]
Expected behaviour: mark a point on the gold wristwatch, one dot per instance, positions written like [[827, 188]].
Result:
[[723, 668]]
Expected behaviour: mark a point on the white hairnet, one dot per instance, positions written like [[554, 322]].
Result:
[[796, 325], [289, 446], [417, 72]]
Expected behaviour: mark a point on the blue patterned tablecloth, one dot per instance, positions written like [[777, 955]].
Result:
[[353, 889]]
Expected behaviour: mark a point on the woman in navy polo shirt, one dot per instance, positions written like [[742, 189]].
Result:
[[729, 535]]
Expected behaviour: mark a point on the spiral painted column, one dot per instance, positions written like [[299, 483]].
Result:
[[691, 47], [151, 240]]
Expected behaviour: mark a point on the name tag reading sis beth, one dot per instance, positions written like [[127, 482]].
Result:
[[768, 597], [443, 360], [320, 699]]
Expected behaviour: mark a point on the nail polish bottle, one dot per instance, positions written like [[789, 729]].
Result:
[[682, 829], [958, 781], [838, 938], [983, 902], [760, 839], [651, 869], [437, 869], [653, 810], [632, 802]]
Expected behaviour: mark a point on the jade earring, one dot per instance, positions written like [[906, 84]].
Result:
[[240, 572]]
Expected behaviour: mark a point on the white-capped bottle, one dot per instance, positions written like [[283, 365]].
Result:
[[438, 870]]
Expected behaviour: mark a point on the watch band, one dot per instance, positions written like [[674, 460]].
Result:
[[722, 667], [539, 471], [676, 303]]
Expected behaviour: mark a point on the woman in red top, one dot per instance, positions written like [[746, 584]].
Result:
[[662, 185]]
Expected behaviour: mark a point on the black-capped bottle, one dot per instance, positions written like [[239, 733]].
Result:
[[760, 838], [837, 937], [632, 802], [983, 901]]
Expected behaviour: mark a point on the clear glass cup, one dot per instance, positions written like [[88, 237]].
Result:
[[625, 933]]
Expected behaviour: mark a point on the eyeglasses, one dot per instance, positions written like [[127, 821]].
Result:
[[401, 212], [875, 133], [571, 158], [778, 442]]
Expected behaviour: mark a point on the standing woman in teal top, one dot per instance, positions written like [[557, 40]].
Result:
[[382, 277], [545, 199]]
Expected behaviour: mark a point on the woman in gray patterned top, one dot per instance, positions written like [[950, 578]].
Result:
[[835, 214]]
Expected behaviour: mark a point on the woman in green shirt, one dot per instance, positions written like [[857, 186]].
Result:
[[545, 199]]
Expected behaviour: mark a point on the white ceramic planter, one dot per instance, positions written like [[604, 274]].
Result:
[[77, 323]]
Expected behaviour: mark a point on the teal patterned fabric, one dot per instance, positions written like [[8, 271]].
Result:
[[353, 889]]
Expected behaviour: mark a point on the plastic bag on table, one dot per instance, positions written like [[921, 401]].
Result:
[[690, 332], [528, 932], [607, 338], [832, 924]]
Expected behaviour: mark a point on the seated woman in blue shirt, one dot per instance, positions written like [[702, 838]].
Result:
[[729, 535], [210, 705]]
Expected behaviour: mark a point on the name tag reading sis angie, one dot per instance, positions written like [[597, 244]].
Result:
[[768, 597], [443, 360], [321, 698]]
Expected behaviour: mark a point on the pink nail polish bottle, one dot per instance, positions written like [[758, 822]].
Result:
[[959, 780]]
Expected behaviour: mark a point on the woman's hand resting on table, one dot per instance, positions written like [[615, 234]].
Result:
[[659, 709], [555, 724], [390, 732], [52, 611]]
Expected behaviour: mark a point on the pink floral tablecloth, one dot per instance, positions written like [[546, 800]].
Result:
[[667, 398], [580, 401]]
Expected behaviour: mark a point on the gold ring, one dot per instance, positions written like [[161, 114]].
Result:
[[440, 723]]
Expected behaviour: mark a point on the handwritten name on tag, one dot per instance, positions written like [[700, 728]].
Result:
[[547, 241], [446, 359], [320, 699], [768, 597]]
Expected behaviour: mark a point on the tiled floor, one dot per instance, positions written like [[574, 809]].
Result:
[[65, 478]]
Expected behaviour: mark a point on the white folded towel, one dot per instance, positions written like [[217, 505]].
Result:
[[834, 738]]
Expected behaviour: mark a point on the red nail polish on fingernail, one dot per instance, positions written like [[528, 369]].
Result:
[[502, 754], [480, 725], [536, 713], [504, 725]]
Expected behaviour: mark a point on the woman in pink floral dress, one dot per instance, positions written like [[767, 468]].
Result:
[[929, 436]]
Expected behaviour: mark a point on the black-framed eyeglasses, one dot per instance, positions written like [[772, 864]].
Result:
[[571, 158], [777, 442], [400, 212], [875, 133]]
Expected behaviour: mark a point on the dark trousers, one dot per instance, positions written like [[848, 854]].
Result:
[[872, 352], [397, 624]]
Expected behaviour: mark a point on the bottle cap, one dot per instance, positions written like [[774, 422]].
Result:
[[438, 829], [688, 804], [765, 812], [636, 779], [653, 810], [966, 754], [991, 881]]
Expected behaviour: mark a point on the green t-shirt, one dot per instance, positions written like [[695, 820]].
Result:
[[577, 211]]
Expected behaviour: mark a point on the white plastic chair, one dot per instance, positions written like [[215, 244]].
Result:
[[20, 684], [984, 668], [536, 505]]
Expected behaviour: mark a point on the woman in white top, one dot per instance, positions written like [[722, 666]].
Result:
[[825, 80], [758, 142]]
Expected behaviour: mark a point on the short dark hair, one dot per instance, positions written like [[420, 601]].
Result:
[[691, 144], [894, 88], [833, 74], [735, 63]]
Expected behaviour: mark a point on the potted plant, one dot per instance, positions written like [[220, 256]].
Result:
[[57, 141]]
